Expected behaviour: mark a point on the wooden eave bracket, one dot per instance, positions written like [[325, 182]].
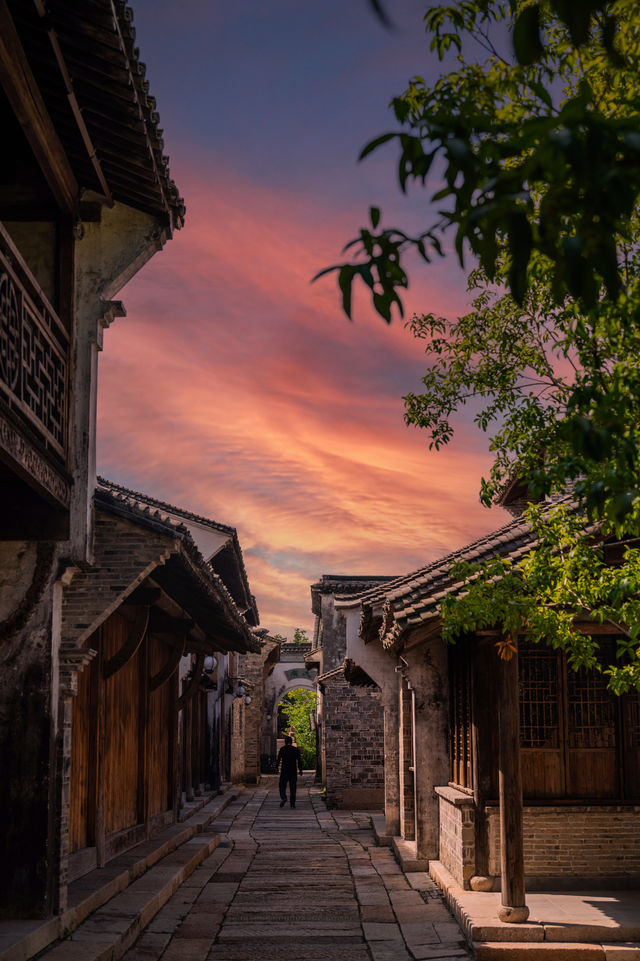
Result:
[[137, 631], [26, 101], [169, 667]]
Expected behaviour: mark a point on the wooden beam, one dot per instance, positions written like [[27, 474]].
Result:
[[73, 103], [513, 908], [26, 102], [162, 623], [144, 595]]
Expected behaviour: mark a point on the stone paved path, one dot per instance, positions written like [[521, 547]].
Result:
[[300, 885]]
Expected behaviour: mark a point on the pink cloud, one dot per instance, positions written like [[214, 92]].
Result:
[[237, 389]]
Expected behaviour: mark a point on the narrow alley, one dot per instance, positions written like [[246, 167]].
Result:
[[302, 885]]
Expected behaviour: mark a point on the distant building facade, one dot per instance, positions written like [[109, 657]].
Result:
[[350, 712]]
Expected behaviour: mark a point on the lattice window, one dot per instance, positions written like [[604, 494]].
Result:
[[632, 720], [592, 709], [460, 693], [539, 685]]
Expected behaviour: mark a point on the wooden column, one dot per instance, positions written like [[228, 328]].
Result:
[[513, 907], [188, 750]]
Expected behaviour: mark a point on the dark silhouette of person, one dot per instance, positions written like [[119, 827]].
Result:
[[289, 758]]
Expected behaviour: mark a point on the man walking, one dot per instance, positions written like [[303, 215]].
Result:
[[289, 757]]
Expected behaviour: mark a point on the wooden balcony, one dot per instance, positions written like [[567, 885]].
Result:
[[34, 401]]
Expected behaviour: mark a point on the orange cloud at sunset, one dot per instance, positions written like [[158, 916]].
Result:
[[236, 389]]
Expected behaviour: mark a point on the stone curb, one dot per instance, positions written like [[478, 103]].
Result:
[[100, 921]]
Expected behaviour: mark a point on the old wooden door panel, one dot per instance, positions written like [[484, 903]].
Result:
[[592, 716], [542, 773], [593, 773], [122, 731], [161, 727], [631, 720], [83, 755]]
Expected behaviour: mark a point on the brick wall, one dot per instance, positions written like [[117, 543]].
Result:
[[247, 718], [457, 834], [354, 742], [125, 554], [600, 841]]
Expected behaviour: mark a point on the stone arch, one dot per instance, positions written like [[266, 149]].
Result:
[[287, 676]]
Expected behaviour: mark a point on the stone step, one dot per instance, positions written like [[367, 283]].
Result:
[[554, 951], [378, 823], [112, 929], [100, 889], [406, 856]]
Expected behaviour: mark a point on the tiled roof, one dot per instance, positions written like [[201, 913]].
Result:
[[94, 86], [162, 509], [116, 501], [164, 506], [414, 599], [349, 583]]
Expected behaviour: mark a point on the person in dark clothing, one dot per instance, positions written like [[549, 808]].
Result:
[[289, 758]]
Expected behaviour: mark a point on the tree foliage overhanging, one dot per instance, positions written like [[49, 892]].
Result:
[[532, 143]]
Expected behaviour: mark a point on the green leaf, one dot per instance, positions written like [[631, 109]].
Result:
[[375, 143], [374, 216], [527, 44], [345, 281]]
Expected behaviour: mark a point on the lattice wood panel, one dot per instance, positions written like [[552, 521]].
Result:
[[539, 694]]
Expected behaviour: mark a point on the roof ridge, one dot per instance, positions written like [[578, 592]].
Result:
[[517, 525], [125, 507], [165, 505]]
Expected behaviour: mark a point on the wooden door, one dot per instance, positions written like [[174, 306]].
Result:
[[541, 722], [161, 731], [82, 776], [122, 731], [592, 723]]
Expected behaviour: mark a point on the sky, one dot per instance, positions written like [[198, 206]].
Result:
[[235, 387]]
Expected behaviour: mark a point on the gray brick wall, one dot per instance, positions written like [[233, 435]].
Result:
[[354, 744], [583, 841]]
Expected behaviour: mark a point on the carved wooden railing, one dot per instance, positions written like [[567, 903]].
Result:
[[34, 353]]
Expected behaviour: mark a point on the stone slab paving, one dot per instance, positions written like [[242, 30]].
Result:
[[300, 885]]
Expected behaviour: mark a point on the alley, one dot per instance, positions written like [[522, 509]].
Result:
[[300, 885]]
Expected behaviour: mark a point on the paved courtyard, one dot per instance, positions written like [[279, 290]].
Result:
[[300, 885]]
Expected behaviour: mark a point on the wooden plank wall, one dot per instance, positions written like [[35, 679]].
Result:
[[122, 730], [161, 732], [83, 770], [132, 761]]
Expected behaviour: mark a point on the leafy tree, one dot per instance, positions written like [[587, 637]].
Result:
[[300, 636], [534, 143], [296, 707]]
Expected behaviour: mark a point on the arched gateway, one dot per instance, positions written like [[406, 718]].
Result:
[[289, 674]]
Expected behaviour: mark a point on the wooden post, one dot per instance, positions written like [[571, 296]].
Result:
[[513, 908], [482, 721], [188, 749], [174, 767]]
